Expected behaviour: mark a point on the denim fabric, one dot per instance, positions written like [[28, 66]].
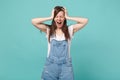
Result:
[[58, 65]]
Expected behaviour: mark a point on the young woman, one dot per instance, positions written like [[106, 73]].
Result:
[[58, 64]]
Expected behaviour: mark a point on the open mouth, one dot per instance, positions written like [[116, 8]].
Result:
[[59, 22]]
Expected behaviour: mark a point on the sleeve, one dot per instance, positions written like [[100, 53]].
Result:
[[70, 28]]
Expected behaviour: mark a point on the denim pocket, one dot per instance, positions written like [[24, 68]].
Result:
[[68, 63], [46, 68], [47, 63], [67, 69]]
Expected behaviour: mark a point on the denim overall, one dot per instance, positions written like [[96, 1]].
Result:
[[58, 65]]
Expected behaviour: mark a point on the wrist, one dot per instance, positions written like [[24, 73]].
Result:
[[50, 17], [67, 17]]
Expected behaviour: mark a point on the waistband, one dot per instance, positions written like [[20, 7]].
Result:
[[58, 60]]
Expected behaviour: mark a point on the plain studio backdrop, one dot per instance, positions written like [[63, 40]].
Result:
[[95, 49]]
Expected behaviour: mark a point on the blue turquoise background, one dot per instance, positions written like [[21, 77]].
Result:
[[95, 49]]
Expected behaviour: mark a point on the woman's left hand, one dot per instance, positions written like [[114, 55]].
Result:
[[66, 13]]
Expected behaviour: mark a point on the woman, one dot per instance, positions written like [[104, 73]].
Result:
[[58, 64]]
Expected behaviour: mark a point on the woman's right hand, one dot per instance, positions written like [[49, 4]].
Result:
[[52, 14]]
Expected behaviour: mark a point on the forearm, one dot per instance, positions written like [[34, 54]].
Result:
[[77, 19], [40, 20], [81, 22]]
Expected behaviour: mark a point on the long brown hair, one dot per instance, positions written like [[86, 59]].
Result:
[[53, 26]]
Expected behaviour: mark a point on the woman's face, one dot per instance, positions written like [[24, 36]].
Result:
[[59, 19]]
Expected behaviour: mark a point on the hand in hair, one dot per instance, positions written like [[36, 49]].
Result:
[[66, 13], [52, 14]]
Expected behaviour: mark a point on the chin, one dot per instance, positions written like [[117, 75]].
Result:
[[59, 26]]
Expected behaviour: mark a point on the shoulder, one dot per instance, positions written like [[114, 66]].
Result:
[[70, 29], [48, 30]]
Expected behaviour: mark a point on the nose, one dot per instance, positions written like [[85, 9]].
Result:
[[59, 18]]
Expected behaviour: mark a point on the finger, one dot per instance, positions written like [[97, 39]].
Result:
[[64, 7], [53, 10], [52, 13]]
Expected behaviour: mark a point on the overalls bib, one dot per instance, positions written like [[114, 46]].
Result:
[[58, 65]]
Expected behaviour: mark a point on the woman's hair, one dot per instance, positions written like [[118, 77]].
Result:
[[53, 26]]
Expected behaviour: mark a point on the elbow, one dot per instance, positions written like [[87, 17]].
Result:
[[86, 20], [33, 21]]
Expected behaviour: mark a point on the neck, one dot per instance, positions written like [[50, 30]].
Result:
[[58, 29]]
